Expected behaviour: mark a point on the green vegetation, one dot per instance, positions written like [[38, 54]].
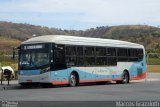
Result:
[[7, 61], [6, 47], [154, 61]]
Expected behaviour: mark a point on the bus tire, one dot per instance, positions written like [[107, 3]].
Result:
[[125, 78], [73, 79]]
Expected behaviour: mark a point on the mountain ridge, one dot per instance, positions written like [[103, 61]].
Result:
[[148, 36]]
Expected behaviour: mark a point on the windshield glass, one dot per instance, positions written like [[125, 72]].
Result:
[[34, 56], [34, 60]]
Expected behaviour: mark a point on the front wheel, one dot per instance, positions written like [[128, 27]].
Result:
[[72, 80]]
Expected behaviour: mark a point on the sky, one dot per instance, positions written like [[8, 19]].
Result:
[[81, 14]]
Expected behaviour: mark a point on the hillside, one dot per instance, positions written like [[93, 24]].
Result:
[[11, 34], [25, 31], [7, 44], [146, 35]]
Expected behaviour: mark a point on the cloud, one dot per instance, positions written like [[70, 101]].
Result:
[[107, 12]]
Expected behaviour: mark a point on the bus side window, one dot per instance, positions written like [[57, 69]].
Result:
[[70, 55], [89, 56], [133, 54], [140, 54], [111, 56], [70, 50], [80, 51], [101, 58], [80, 56], [122, 54], [59, 62]]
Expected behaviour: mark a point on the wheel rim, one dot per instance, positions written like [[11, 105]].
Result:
[[125, 78], [72, 80]]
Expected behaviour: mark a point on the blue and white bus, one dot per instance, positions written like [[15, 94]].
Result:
[[70, 60]]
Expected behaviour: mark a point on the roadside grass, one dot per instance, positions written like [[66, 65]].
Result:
[[153, 65], [7, 61], [153, 68], [7, 44]]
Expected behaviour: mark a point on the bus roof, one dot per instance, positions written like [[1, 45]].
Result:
[[76, 40]]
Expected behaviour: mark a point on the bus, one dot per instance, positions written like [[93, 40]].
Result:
[[71, 60]]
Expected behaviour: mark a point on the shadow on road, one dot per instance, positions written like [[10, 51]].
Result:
[[17, 86]]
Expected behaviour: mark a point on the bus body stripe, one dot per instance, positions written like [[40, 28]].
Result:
[[56, 82], [139, 77]]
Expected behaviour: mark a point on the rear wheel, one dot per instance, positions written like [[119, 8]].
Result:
[[125, 78], [73, 80]]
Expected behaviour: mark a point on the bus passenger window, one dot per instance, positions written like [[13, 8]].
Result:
[[59, 58], [70, 61], [111, 56], [89, 61], [89, 56], [112, 61], [133, 54], [101, 58], [80, 56], [79, 51], [70, 50], [80, 61], [101, 61], [122, 54], [140, 54], [89, 51], [111, 52], [100, 51]]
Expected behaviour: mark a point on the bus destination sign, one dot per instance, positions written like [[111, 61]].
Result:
[[33, 47]]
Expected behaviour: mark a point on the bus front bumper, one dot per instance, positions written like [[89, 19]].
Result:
[[42, 78]]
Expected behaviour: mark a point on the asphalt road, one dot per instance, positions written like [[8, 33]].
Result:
[[149, 90], [144, 90], [138, 90]]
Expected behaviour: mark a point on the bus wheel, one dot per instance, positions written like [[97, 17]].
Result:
[[72, 80], [125, 78]]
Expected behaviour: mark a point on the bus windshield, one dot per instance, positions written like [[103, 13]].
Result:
[[34, 59]]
